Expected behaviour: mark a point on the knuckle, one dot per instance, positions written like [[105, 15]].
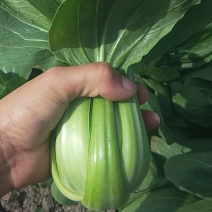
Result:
[[105, 71]]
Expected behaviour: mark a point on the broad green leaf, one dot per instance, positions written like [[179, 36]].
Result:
[[16, 71], [37, 13], [59, 197], [163, 130], [199, 206], [160, 200], [154, 178], [120, 32], [194, 52], [29, 57], [203, 72], [7, 85], [163, 96], [191, 172], [16, 33], [194, 20], [161, 103], [192, 100], [159, 74], [23, 44]]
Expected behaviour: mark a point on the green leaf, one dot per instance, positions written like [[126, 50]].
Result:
[[59, 197], [163, 130], [161, 74], [203, 72], [23, 44], [194, 52], [160, 200], [46, 183], [201, 205], [183, 30], [16, 32], [29, 57], [16, 71], [191, 172], [154, 178], [161, 103], [37, 13], [192, 100], [8, 85], [119, 32]]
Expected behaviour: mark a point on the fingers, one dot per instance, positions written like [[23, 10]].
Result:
[[142, 93], [89, 80], [151, 119]]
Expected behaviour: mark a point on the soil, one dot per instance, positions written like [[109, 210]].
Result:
[[30, 198]]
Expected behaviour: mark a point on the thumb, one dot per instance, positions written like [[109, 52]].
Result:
[[90, 80]]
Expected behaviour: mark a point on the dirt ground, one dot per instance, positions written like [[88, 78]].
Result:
[[30, 198]]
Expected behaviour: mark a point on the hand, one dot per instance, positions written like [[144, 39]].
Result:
[[31, 112]]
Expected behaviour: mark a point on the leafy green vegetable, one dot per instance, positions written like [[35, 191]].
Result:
[[191, 172], [16, 71], [119, 32], [194, 20], [201, 205], [7, 85], [109, 158], [168, 44], [59, 197], [194, 52], [160, 200], [193, 100], [24, 43], [37, 13]]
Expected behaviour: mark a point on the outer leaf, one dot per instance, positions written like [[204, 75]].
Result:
[[183, 30], [46, 183], [201, 205], [163, 130], [119, 32], [105, 182], [195, 52], [200, 73], [16, 33], [192, 99], [73, 173], [16, 71], [22, 44], [163, 73], [154, 177], [160, 200], [59, 197], [8, 85], [37, 13], [191, 172], [133, 141], [29, 57]]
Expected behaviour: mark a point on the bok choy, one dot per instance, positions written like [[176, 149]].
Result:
[[100, 151]]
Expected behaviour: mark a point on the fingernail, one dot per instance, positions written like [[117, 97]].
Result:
[[157, 118], [128, 84]]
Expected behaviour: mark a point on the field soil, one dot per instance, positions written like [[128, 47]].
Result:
[[31, 198]]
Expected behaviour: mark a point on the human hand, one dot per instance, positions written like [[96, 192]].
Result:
[[30, 113]]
